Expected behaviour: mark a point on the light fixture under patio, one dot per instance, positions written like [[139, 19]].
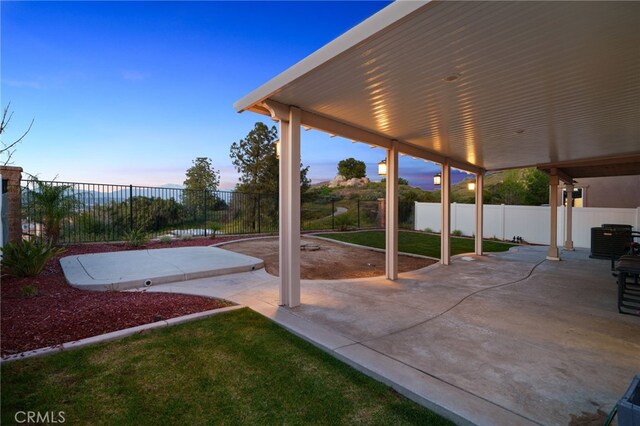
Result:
[[278, 148], [472, 186], [437, 179], [382, 168]]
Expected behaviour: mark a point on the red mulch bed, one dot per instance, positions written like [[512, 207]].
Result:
[[60, 313]]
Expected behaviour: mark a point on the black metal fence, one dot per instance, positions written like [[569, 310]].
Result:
[[92, 212]]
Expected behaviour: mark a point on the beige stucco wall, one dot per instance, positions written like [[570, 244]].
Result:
[[617, 192]]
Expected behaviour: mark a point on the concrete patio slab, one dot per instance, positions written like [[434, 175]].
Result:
[[131, 269], [502, 339]]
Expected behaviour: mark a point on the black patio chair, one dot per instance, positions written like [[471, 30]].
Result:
[[628, 271]]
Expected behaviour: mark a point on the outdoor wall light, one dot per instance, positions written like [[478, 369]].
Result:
[[437, 179], [382, 168], [278, 148], [472, 186]]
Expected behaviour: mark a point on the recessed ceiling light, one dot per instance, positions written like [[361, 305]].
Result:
[[452, 77], [520, 131]]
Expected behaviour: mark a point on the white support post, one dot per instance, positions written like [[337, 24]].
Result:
[[553, 253], [391, 225], [284, 213], [293, 204], [445, 204], [568, 244], [479, 212], [289, 200]]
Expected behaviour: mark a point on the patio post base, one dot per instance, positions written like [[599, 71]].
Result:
[[553, 253]]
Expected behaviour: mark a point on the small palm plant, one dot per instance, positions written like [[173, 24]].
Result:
[[137, 237], [52, 205], [215, 227]]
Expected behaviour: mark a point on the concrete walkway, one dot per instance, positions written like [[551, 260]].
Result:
[[503, 339]]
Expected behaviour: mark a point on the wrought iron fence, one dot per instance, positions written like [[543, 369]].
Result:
[[92, 212], [349, 213]]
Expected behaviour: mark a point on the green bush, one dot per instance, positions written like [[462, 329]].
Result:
[[457, 233], [165, 239], [342, 222], [29, 290], [27, 258], [136, 238]]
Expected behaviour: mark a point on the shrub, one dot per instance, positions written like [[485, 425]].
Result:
[[215, 227], [136, 238], [342, 222], [29, 290], [27, 258], [165, 239], [457, 233], [429, 230]]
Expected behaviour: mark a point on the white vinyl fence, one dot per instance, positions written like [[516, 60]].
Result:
[[529, 222]]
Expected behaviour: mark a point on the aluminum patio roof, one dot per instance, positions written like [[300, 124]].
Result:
[[489, 85]]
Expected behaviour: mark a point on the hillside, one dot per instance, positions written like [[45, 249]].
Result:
[[522, 186]]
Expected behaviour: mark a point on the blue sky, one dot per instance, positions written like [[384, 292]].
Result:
[[132, 92]]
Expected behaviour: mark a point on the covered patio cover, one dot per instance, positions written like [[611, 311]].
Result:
[[478, 86]]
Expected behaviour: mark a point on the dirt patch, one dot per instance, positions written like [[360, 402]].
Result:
[[325, 260]]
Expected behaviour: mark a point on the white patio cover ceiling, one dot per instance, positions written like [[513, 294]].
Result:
[[534, 83]]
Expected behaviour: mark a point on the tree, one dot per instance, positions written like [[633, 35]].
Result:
[[254, 157], [200, 186], [536, 183], [9, 148], [510, 190], [351, 168]]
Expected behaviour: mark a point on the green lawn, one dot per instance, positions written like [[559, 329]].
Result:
[[235, 368], [417, 242]]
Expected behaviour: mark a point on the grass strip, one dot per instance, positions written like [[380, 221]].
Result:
[[417, 242], [235, 368]]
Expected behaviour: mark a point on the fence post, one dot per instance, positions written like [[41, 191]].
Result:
[[130, 207], [358, 213], [333, 214], [205, 211], [259, 219], [502, 221]]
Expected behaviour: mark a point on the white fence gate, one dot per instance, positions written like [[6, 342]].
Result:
[[529, 222]]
